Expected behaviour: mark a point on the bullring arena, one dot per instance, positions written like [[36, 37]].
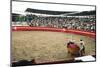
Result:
[[47, 44], [52, 35]]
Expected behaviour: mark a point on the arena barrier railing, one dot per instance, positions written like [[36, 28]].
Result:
[[79, 32]]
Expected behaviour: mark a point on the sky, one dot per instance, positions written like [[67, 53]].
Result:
[[20, 7]]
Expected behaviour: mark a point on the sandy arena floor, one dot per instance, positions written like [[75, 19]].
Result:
[[45, 46]]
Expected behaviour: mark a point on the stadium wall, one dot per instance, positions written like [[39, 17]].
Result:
[[79, 32]]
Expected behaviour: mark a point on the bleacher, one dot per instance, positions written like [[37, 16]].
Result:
[[70, 20]]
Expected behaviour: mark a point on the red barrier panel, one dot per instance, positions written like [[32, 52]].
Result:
[[27, 28]]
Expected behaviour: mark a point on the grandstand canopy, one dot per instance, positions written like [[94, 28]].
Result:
[[49, 9], [84, 13]]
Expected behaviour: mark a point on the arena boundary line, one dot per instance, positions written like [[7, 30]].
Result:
[[79, 32]]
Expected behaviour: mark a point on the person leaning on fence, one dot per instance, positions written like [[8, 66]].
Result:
[[82, 47]]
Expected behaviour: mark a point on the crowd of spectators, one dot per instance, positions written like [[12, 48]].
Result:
[[86, 24], [77, 23]]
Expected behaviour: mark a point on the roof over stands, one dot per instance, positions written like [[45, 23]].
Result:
[[47, 11], [68, 13], [15, 14], [84, 13]]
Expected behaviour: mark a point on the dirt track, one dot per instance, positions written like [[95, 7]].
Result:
[[45, 46]]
